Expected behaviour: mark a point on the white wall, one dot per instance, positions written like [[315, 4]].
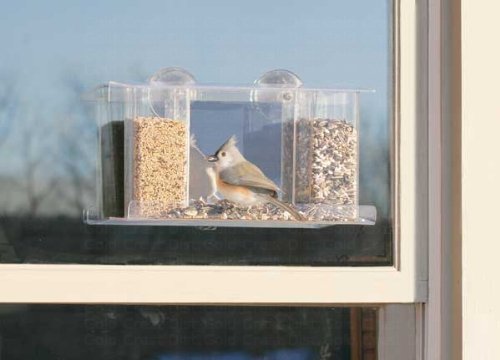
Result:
[[481, 178]]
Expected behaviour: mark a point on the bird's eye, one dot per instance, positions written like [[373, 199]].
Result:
[[223, 153]]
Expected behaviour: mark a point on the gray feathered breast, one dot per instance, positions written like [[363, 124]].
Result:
[[247, 174]]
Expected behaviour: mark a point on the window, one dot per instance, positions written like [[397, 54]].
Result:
[[49, 256], [187, 332], [334, 45]]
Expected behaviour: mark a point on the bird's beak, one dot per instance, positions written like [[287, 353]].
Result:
[[212, 158]]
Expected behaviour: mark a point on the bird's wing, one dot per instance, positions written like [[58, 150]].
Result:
[[247, 174]]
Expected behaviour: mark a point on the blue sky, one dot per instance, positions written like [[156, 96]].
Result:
[[326, 42]]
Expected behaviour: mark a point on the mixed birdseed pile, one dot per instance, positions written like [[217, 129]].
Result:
[[326, 162], [159, 171], [226, 210], [334, 162]]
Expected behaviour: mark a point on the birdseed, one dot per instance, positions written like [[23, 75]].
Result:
[[159, 168], [334, 162], [326, 174], [226, 210], [327, 163]]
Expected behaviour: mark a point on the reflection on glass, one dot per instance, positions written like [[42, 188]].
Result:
[[186, 332], [47, 134]]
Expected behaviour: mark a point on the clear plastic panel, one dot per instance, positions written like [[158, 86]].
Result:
[[223, 215], [157, 148], [111, 117], [156, 140], [327, 156]]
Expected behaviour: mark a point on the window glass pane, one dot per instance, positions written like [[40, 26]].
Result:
[[48, 155], [186, 332]]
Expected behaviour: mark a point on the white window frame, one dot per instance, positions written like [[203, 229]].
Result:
[[405, 282]]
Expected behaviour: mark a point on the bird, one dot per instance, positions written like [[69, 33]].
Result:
[[240, 181]]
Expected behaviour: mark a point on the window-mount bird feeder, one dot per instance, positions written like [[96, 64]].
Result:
[[273, 154]]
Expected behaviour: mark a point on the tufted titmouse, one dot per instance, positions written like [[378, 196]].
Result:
[[240, 181]]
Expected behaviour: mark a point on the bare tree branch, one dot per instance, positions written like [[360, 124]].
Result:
[[75, 156], [9, 104], [36, 187]]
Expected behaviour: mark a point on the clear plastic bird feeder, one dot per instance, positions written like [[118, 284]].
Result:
[[154, 141]]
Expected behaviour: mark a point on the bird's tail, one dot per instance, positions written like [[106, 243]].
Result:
[[297, 216]]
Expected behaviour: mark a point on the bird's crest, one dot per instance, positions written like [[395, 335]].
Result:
[[231, 142]]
